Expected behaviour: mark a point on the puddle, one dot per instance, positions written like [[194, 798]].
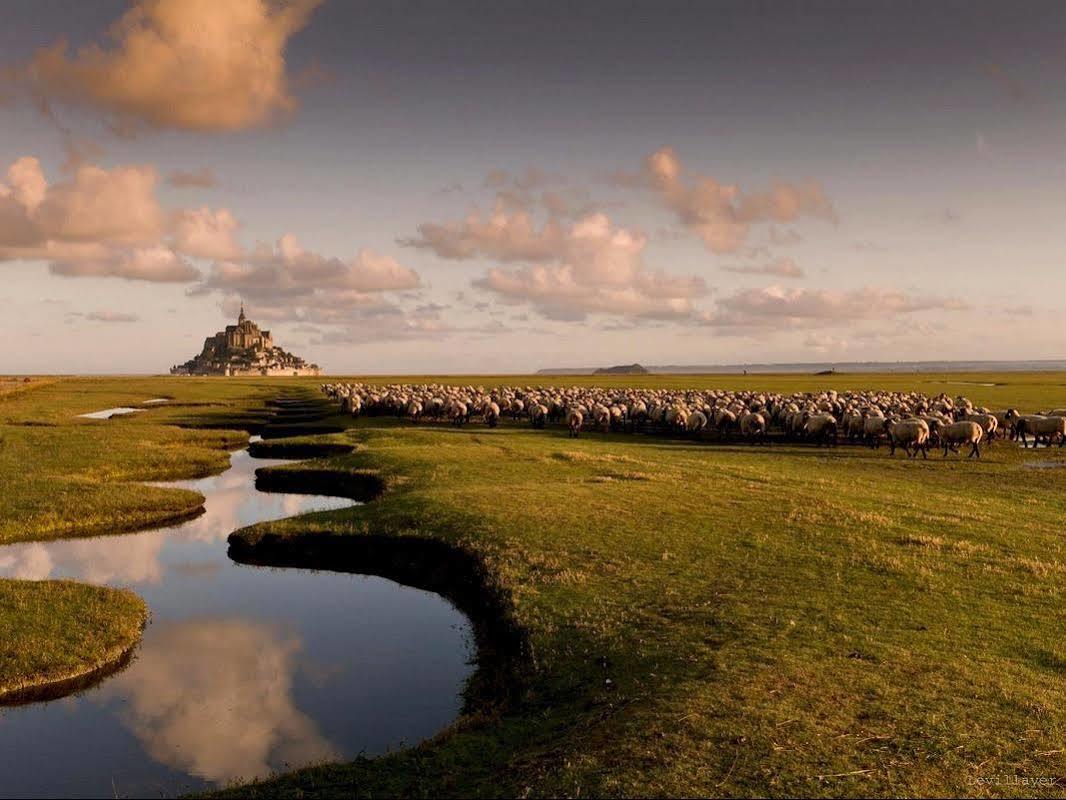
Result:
[[108, 413]]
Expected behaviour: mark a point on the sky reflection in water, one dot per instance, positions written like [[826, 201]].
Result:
[[244, 670]]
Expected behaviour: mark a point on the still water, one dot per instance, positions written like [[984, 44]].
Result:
[[242, 671]]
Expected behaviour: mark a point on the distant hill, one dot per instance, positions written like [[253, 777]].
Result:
[[630, 369]]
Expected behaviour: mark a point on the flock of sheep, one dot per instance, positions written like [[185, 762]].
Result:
[[909, 420]]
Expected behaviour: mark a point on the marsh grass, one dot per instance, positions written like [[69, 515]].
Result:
[[58, 631], [703, 619], [713, 620]]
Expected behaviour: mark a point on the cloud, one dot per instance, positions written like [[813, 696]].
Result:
[[719, 213], [188, 64], [503, 235], [287, 270], [784, 236], [158, 264], [203, 233], [111, 316], [99, 223], [782, 268], [286, 283], [203, 178], [825, 344], [95, 204], [596, 268], [775, 307], [587, 266], [1019, 311]]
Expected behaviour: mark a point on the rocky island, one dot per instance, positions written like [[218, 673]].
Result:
[[244, 349]]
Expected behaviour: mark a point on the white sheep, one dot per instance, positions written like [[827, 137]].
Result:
[[908, 433], [574, 421], [1042, 429], [821, 428], [753, 425], [955, 434]]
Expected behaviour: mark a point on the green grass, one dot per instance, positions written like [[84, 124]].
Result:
[[779, 620], [703, 619], [52, 631]]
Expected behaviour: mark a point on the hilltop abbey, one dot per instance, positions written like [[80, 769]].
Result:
[[243, 349]]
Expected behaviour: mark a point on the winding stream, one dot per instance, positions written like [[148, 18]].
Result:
[[243, 670]]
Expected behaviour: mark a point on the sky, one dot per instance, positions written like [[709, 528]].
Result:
[[461, 187]]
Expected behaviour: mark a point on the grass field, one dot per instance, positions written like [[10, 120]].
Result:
[[702, 619]]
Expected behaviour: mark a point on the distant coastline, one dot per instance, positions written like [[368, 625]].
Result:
[[1042, 365]]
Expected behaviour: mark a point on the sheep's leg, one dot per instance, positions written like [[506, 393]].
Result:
[[975, 452]]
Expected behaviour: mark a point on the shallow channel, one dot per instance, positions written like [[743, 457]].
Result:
[[243, 671]]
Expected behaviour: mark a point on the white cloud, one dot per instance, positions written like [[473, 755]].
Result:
[[775, 307], [720, 213], [203, 233], [781, 267], [188, 64]]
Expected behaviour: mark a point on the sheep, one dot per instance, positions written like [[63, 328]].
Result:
[[676, 418], [873, 428], [1042, 428], [821, 428], [954, 434], [753, 425], [601, 417], [353, 404], [457, 412], [413, 409], [538, 415], [1005, 422], [574, 421], [696, 422], [725, 421], [815, 417], [853, 425], [909, 433], [988, 422]]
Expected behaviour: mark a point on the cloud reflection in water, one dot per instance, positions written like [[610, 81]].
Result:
[[213, 697]]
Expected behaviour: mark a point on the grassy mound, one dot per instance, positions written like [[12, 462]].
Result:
[[57, 635]]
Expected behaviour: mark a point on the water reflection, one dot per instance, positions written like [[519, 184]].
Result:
[[108, 413], [243, 670], [214, 698], [98, 560], [138, 558]]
